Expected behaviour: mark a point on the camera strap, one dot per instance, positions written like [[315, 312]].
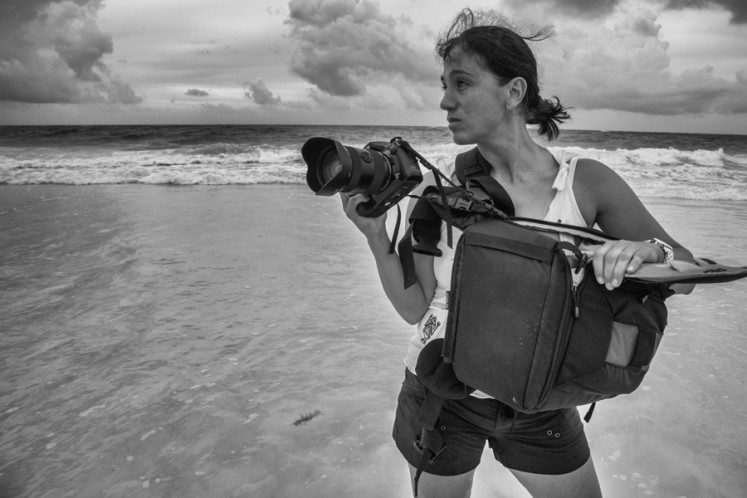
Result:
[[438, 175]]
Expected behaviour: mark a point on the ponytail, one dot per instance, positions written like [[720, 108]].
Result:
[[548, 114]]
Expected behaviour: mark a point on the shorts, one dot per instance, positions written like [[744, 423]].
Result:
[[550, 442]]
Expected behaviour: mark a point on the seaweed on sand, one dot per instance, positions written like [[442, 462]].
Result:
[[306, 417]]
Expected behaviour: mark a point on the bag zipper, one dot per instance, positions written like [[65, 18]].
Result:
[[571, 311], [453, 305], [576, 306]]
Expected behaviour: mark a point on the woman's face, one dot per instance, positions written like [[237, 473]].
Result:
[[474, 99]]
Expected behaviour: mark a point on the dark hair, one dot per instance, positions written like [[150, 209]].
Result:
[[507, 55]]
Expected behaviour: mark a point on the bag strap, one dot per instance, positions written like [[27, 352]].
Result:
[[495, 193], [429, 442], [468, 164], [587, 233], [407, 258]]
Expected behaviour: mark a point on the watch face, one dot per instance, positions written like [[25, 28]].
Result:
[[668, 251]]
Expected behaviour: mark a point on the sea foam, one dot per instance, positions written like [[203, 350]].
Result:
[[175, 156]]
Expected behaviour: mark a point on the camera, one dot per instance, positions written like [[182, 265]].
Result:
[[386, 171]]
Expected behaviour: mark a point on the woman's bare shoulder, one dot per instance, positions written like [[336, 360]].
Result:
[[591, 167], [598, 188], [597, 176]]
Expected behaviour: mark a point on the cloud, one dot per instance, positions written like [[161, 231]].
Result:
[[346, 45], [626, 67], [737, 8], [603, 8], [582, 8], [51, 51], [259, 93], [218, 110], [194, 92]]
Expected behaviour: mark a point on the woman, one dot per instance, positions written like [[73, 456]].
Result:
[[491, 93]]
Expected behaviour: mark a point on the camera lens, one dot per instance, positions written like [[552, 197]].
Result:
[[331, 166], [334, 167], [382, 170]]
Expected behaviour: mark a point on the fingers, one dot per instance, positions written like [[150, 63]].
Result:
[[350, 204], [613, 260], [370, 226], [345, 198]]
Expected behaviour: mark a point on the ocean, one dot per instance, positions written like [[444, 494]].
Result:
[[180, 316], [663, 165]]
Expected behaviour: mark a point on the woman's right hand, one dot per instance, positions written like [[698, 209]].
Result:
[[371, 227]]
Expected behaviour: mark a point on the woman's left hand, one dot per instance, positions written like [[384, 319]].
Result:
[[614, 259]]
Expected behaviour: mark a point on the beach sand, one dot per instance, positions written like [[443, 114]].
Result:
[[235, 341]]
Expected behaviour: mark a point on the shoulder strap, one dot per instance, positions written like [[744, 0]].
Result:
[[494, 192], [468, 164], [471, 167]]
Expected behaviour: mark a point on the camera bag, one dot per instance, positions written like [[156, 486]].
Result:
[[520, 330]]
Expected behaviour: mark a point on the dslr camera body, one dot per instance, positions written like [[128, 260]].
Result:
[[385, 171]]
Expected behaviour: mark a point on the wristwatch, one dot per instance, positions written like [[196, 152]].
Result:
[[668, 251]]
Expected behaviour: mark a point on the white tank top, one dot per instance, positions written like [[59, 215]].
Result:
[[563, 209]]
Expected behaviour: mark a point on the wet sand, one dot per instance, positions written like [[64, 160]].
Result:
[[163, 341]]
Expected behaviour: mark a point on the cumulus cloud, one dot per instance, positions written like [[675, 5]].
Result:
[[346, 45], [51, 51], [626, 67], [194, 92], [258, 92]]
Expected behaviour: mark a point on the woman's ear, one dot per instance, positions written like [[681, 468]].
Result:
[[516, 89]]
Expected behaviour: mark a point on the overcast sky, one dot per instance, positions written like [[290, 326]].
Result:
[[660, 65]]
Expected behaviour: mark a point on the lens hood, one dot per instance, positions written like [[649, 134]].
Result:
[[313, 152]]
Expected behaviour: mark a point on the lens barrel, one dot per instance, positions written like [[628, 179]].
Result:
[[334, 167]]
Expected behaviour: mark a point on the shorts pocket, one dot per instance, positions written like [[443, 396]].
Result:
[[412, 384]]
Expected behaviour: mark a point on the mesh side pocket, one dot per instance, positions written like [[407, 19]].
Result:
[[622, 344]]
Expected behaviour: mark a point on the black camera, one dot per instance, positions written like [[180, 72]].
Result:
[[386, 171]]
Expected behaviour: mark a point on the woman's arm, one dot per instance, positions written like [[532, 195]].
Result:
[[619, 212], [410, 303]]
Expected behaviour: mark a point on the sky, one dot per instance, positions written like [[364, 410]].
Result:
[[633, 65]]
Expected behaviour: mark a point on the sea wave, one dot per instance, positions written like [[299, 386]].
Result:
[[674, 173], [654, 172]]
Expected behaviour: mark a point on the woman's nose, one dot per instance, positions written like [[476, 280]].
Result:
[[447, 102]]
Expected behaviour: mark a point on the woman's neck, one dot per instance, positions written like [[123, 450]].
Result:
[[516, 156]]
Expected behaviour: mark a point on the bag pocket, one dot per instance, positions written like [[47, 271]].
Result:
[[507, 308], [612, 344]]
